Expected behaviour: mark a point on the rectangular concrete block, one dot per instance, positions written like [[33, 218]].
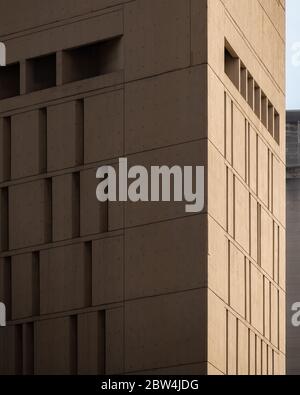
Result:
[[28, 143], [274, 316], [156, 40], [64, 135], [263, 173], [231, 344], [153, 266], [253, 228], [5, 284], [267, 308], [65, 274], [258, 356], [242, 218], [216, 185], [264, 359], [252, 159], [217, 266], [165, 331], [55, 346], [189, 154], [66, 206], [216, 332], [103, 126], [11, 348], [114, 350], [25, 289], [93, 214], [257, 300], [237, 281], [91, 343], [239, 141], [267, 243], [252, 354], [107, 268], [29, 214], [282, 255], [228, 112], [243, 349], [230, 206], [165, 110], [5, 148]]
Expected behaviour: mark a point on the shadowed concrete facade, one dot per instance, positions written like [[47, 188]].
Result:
[[114, 288]]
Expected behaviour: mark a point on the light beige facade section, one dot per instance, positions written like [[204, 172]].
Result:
[[246, 165]]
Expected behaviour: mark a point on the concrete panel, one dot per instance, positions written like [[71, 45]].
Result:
[[114, 351], [28, 144], [243, 349], [65, 206], [5, 149], [91, 343], [267, 243], [242, 218], [107, 268], [103, 127], [237, 281], [25, 285], [157, 40], [165, 110], [239, 141], [153, 266], [190, 154], [64, 135], [231, 344], [217, 265], [65, 274], [29, 214], [216, 332], [55, 346], [165, 331], [256, 299], [93, 214], [11, 347], [263, 174]]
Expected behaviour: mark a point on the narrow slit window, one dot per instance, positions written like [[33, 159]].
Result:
[[264, 109], [239, 75], [277, 127], [40, 73], [271, 119], [257, 100], [244, 81], [250, 92], [9, 81], [232, 68], [92, 60]]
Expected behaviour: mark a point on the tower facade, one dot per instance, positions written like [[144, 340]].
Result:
[[111, 288]]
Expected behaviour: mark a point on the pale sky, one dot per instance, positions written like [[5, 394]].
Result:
[[293, 54]]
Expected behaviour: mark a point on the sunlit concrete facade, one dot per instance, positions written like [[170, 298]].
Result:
[[142, 287]]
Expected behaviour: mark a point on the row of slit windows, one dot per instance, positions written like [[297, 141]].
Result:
[[78, 63], [252, 93]]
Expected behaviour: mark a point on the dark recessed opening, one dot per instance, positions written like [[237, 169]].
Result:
[[9, 81], [92, 60], [41, 73], [264, 109], [232, 68], [277, 127]]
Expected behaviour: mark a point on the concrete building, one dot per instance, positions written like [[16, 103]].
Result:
[[293, 249], [113, 288]]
